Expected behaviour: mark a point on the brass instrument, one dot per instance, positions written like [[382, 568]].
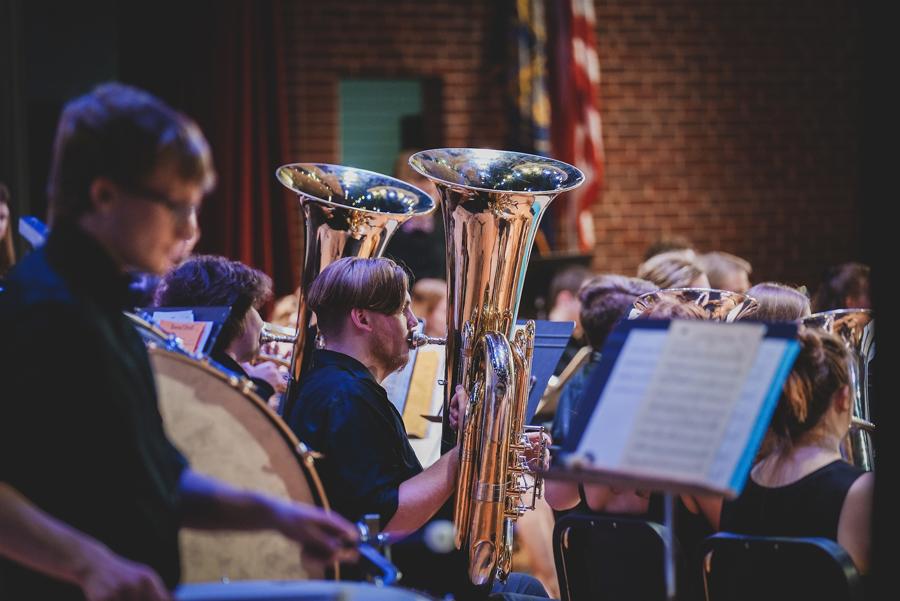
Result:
[[344, 212], [492, 202], [856, 327], [721, 305], [274, 333]]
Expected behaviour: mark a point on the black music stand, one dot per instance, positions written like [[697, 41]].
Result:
[[550, 340], [678, 407]]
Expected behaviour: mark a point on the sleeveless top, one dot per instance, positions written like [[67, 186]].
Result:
[[808, 507]]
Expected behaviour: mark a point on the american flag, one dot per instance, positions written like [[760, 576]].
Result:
[[577, 134]]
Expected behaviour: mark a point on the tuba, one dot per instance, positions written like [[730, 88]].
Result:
[[492, 203], [856, 327], [344, 212]]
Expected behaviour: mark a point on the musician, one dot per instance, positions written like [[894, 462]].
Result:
[[7, 249], [845, 286], [605, 300], [778, 302], [674, 269], [92, 493], [362, 308], [804, 487], [726, 271], [209, 281]]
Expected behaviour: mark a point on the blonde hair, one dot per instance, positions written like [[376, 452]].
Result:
[[673, 269]]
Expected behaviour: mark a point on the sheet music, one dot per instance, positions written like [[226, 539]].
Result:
[[735, 440], [173, 315], [670, 400]]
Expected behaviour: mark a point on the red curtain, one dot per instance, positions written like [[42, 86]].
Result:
[[250, 215]]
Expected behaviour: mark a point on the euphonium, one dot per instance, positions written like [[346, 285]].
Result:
[[344, 212], [856, 327], [720, 305], [492, 203]]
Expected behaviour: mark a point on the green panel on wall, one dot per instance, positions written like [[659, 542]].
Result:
[[370, 114]]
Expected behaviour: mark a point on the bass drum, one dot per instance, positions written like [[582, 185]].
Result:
[[295, 591], [227, 432]]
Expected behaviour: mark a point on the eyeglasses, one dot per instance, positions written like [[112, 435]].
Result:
[[180, 210]]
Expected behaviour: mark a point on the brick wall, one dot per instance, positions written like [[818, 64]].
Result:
[[732, 123]]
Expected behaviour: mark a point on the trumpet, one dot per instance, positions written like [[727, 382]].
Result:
[[492, 203], [274, 333]]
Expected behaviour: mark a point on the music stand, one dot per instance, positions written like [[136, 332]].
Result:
[[678, 407]]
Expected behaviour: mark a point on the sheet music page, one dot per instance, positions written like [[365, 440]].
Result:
[[741, 423], [669, 400], [173, 315]]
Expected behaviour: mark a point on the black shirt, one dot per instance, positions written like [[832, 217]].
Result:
[[342, 412], [810, 506], [80, 431], [263, 388]]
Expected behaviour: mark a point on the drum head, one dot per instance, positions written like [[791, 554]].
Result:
[[227, 432], [294, 591]]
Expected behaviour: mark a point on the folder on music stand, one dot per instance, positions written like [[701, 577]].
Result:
[[197, 327], [550, 340], [678, 406]]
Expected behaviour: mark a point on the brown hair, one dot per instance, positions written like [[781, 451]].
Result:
[[719, 265], [664, 245], [673, 269], [377, 284], [820, 370], [605, 299], [211, 281], [7, 250], [571, 278], [778, 302], [124, 134], [841, 281]]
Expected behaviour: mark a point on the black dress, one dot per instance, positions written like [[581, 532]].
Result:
[[808, 507]]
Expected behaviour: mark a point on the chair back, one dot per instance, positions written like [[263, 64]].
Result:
[[740, 567], [609, 557]]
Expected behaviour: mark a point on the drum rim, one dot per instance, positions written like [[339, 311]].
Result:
[[239, 383]]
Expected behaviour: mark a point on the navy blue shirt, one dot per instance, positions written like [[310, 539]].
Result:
[[342, 412], [80, 431]]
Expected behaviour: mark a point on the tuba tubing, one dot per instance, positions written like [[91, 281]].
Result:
[[492, 203]]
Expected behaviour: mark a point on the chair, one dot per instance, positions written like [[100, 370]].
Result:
[[606, 557], [743, 568]]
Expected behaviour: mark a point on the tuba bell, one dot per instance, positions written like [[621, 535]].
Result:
[[856, 327], [492, 203], [344, 212]]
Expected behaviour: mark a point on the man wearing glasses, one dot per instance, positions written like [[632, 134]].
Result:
[[92, 494]]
